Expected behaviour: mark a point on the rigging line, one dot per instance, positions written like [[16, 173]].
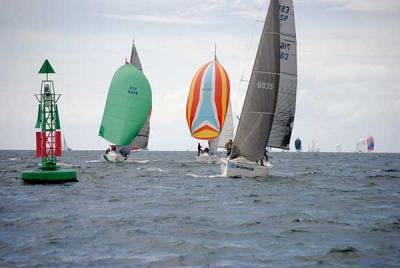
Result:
[[245, 63]]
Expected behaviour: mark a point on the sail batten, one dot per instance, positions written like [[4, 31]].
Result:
[[280, 35]]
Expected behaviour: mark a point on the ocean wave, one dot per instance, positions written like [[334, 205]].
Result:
[[388, 228], [248, 224], [390, 170], [344, 251], [320, 221], [383, 177]]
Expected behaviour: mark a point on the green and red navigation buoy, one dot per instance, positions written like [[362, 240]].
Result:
[[48, 136]]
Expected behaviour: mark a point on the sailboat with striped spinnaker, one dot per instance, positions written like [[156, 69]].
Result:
[[207, 105]]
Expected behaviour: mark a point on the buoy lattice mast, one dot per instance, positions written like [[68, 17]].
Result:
[[48, 136], [48, 140]]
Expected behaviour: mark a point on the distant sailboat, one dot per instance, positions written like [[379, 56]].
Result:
[[338, 148], [127, 109], [297, 145], [268, 111], [207, 105], [313, 150], [361, 145], [370, 143], [65, 145]]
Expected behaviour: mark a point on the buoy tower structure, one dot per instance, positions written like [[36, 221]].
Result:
[[48, 136]]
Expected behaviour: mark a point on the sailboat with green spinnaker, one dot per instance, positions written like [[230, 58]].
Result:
[[126, 111]]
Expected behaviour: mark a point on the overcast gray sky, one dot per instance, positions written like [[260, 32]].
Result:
[[348, 64]]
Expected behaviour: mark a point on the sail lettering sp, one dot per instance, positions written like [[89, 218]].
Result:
[[284, 10]]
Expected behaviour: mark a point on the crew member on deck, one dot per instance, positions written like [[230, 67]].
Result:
[[264, 157], [235, 153], [228, 147], [199, 150]]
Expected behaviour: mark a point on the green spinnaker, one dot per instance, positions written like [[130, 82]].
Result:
[[127, 106]]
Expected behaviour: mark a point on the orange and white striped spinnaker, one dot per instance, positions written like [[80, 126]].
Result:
[[208, 101]]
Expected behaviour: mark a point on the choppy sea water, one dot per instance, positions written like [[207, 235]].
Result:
[[166, 210]]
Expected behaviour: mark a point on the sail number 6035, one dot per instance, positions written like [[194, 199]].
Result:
[[265, 85]]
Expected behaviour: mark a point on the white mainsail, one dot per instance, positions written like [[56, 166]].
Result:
[[226, 133], [227, 130]]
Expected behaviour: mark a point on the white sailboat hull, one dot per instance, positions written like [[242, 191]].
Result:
[[207, 159], [113, 157], [237, 169]]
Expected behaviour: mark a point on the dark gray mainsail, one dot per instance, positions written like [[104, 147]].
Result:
[[267, 89], [282, 126], [142, 139], [135, 61]]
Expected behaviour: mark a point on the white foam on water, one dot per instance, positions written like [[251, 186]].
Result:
[[64, 164], [138, 161], [156, 169], [14, 159], [141, 161], [93, 161], [206, 176]]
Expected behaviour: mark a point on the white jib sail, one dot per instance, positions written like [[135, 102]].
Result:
[[226, 133]]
